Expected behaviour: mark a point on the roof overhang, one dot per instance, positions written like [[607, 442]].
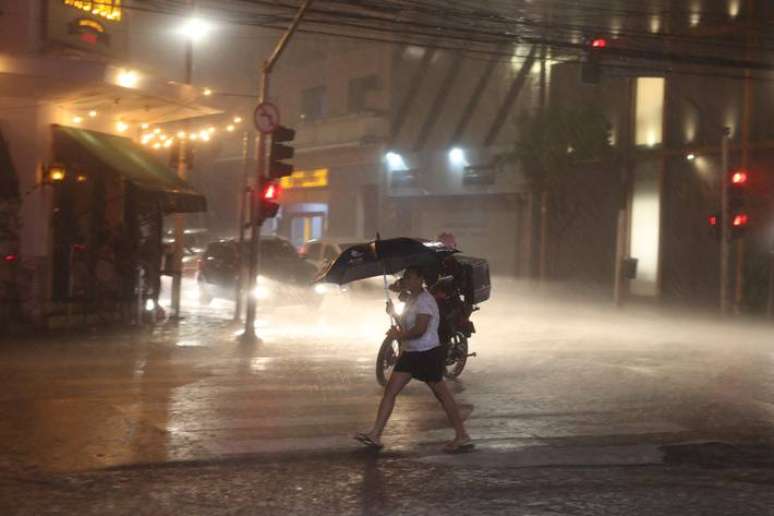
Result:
[[83, 85]]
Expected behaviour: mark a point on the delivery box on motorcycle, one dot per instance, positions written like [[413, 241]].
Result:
[[477, 285]]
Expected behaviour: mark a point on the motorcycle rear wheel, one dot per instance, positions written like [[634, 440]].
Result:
[[386, 360]]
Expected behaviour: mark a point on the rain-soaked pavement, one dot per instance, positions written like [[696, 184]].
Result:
[[575, 408]]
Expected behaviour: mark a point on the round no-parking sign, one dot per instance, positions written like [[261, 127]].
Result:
[[267, 117]]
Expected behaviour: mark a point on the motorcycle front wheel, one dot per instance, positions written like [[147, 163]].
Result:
[[386, 360], [456, 356]]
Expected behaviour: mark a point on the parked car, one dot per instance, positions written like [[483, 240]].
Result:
[[323, 252], [194, 242], [284, 278]]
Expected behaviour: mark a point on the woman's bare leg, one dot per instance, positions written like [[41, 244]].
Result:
[[444, 395], [395, 384]]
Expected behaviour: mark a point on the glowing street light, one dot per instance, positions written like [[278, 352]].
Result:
[[195, 29], [395, 161], [457, 157]]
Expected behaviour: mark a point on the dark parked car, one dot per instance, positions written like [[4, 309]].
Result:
[[284, 278]]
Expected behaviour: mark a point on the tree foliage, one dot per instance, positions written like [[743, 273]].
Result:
[[559, 140]]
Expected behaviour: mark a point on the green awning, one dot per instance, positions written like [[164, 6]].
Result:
[[123, 156], [9, 183]]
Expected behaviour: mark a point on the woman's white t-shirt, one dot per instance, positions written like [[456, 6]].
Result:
[[425, 304]]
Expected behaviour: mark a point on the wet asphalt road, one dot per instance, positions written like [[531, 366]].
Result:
[[576, 409]]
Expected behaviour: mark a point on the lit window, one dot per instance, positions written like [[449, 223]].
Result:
[[650, 111]]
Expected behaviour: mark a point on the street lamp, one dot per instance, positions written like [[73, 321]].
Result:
[[195, 29]]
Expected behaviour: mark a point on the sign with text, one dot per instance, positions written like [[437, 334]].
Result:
[[317, 178], [96, 26], [107, 9]]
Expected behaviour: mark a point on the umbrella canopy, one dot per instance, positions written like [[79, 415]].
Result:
[[380, 257]]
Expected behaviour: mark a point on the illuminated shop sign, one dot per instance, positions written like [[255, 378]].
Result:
[[107, 9], [306, 179], [92, 26], [90, 31]]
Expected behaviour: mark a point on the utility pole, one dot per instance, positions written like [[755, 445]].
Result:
[[243, 190], [256, 219], [725, 230], [746, 115], [182, 168]]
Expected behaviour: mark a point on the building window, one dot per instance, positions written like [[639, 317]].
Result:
[[313, 104], [359, 90], [479, 176], [650, 111], [404, 178]]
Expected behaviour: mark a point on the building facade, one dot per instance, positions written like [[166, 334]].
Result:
[[406, 140], [80, 195]]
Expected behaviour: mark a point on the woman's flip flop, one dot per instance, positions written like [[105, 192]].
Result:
[[367, 441], [459, 447]]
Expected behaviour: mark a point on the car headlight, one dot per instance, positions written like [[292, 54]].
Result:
[[321, 289]]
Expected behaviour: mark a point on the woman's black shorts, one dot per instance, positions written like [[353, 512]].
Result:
[[423, 365]]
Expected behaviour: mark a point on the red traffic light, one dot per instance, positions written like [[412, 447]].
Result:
[[271, 192], [740, 177], [599, 43], [740, 220], [713, 220]]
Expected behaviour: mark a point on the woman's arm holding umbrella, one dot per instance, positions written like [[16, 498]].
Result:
[[419, 329]]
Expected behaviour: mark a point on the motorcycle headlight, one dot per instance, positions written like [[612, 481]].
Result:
[[261, 292], [399, 307]]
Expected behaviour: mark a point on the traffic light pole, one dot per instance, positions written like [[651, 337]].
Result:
[[725, 230], [256, 218], [241, 226]]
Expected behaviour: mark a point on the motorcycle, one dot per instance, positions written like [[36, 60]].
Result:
[[464, 284], [455, 330]]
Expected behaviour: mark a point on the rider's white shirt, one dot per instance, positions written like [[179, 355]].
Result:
[[424, 303]]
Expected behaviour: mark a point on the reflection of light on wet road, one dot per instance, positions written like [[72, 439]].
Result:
[[260, 364], [191, 343]]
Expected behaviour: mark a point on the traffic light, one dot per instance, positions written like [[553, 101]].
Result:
[[738, 182], [279, 152], [591, 69], [269, 200]]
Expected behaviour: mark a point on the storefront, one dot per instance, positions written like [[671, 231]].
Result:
[[70, 109], [109, 197]]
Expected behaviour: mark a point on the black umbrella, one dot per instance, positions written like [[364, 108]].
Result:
[[382, 257]]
